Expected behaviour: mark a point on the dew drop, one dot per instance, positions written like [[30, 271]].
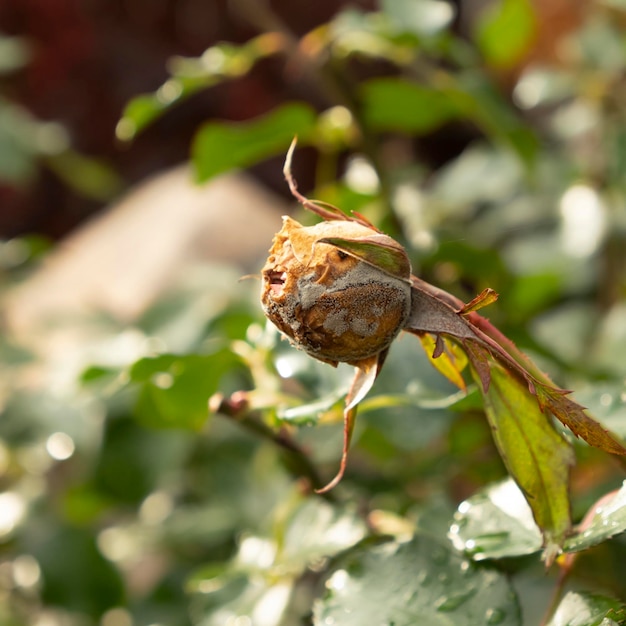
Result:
[[470, 545], [338, 580], [606, 399], [495, 616], [464, 507]]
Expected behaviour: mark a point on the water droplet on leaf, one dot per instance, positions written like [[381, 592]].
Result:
[[464, 507]]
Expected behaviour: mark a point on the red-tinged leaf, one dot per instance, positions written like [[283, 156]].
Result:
[[365, 374], [566, 410], [447, 357], [481, 365], [430, 314], [516, 357], [572, 415], [536, 455], [438, 312], [484, 298]]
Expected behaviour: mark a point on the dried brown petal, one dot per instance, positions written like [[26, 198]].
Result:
[[331, 300]]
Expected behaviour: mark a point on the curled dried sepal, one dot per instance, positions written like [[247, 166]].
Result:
[[364, 377], [322, 209]]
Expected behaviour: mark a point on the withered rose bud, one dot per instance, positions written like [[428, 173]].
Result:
[[339, 290]]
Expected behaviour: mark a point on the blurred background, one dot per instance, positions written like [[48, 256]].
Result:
[[141, 152]]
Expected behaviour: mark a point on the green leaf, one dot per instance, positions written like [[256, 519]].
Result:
[[76, 576], [222, 146], [476, 98], [495, 523], [395, 104], [530, 294], [305, 534], [506, 31], [91, 177], [588, 609], [145, 108], [535, 454], [419, 583], [175, 389], [316, 530], [189, 75], [234, 596], [356, 33], [608, 521], [138, 113]]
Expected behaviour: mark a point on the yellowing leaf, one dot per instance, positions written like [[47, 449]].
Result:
[[447, 357], [535, 454]]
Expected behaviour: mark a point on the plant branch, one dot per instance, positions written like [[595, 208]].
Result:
[[298, 462]]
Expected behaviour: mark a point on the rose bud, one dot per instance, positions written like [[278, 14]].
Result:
[[338, 290]]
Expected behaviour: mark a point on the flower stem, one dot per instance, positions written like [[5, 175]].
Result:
[[295, 458]]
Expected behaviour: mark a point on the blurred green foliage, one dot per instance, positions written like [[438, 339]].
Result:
[[26, 140], [125, 501]]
